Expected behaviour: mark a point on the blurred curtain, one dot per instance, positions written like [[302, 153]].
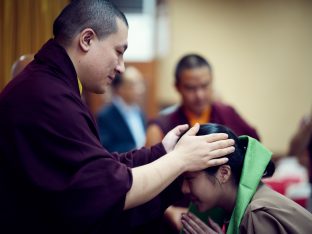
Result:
[[25, 25]]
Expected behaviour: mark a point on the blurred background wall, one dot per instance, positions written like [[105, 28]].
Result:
[[261, 52]]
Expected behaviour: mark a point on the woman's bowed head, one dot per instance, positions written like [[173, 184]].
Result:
[[217, 186]]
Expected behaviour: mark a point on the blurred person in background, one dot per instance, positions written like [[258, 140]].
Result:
[[194, 83], [128, 131], [20, 64], [301, 147]]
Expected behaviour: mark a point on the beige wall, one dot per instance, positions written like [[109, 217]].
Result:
[[261, 52]]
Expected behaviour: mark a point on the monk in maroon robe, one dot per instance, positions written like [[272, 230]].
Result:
[[55, 177]]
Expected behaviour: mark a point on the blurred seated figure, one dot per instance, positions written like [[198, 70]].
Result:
[[301, 143], [194, 83], [20, 64], [291, 179], [233, 197], [292, 176], [128, 129], [301, 147]]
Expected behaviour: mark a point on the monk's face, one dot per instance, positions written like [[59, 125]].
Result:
[[195, 88], [104, 60]]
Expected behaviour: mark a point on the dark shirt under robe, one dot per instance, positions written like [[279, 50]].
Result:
[[55, 176]]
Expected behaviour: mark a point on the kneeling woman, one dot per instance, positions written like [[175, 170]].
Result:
[[235, 188]]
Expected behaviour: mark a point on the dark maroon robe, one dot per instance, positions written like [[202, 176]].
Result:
[[220, 114], [55, 176]]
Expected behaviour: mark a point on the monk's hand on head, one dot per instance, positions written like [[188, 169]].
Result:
[[200, 152], [172, 137]]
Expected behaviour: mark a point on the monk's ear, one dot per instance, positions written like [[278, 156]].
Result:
[[86, 38], [224, 174]]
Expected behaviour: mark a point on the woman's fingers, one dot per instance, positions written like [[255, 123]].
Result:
[[192, 224], [214, 226], [201, 225]]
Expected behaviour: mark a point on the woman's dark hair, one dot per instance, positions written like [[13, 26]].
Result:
[[236, 159], [100, 15], [190, 61]]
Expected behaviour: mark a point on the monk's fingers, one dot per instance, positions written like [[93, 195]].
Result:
[[193, 130], [220, 149], [216, 162], [215, 137], [180, 129], [222, 144]]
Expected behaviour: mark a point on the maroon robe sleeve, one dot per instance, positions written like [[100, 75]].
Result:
[[142, 156]]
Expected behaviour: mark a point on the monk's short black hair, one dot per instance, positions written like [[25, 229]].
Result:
[[99, 15], [190, 61]]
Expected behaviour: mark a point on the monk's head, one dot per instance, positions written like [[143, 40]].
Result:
[[94, 33], [193, 81]]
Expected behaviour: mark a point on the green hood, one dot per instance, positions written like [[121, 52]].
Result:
[[256, 160]]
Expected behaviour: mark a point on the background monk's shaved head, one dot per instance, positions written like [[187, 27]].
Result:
[[20, 64]]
